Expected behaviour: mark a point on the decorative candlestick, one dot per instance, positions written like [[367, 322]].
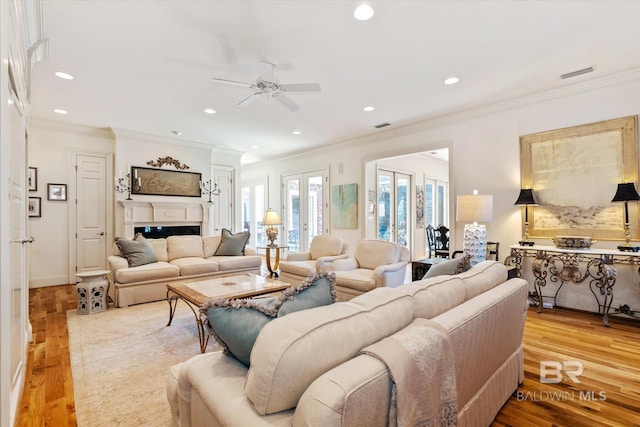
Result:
[[126, 185], [209, 188]]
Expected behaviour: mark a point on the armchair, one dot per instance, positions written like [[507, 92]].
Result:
[[375, 264], [323, 250]]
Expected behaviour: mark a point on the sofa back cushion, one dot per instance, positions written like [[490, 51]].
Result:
[[325, 245], [294, 350], [482, 277], [210, 243], [436, 295], [372, 253], [184, 246]]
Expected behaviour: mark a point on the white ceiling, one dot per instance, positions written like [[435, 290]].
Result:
[[146, 66]]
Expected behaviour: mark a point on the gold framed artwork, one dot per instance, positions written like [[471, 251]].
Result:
[[163, 182], [574, 174]]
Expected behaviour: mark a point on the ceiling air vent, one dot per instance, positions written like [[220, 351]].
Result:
[[381, 125], [577, 73]]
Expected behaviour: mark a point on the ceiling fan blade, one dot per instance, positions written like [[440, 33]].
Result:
[[233, 82], [301, 87], [287, 102], [250, 100], [266, 72]]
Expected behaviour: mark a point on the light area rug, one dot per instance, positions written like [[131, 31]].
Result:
[[120, 361]]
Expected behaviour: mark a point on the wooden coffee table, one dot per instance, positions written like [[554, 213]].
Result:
[[194, 294]]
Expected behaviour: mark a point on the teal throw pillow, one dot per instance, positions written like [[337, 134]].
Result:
[[137, 251], [236, 323], [232, 244], [449, 267], [315, 292]]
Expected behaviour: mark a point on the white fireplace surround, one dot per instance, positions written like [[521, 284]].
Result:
[[155, 214]]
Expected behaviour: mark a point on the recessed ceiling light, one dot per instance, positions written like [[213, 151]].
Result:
[[209, 111], [296, 132], [63, 75], [451, 81], [369, 109], [364, 12], [59, 111], [176, 132], [255, 147]]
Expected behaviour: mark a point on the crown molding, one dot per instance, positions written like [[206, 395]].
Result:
[[39, 123]]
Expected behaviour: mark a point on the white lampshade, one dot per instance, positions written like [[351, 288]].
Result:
[[271, 218], [474, 208]]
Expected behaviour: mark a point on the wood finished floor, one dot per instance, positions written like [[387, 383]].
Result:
[[611, 358]]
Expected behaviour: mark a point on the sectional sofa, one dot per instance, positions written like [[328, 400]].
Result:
[[311, 367], [177, 258]]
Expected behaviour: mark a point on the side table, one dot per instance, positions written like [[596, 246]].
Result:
[[273, 270], [92, 291]]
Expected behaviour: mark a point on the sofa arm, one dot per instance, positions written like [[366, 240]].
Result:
[[250, 252], [323, 261], [300, 256], [117, 263], [342, 265], [391, 275]]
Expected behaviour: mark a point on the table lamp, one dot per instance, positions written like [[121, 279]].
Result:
[[474, 208], [525, 199], [271, 219], [626, 192]]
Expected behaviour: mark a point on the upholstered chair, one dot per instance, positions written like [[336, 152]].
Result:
[[375, 264], [323, 249]]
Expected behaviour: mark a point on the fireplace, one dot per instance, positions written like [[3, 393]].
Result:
[[161, 232], [162, 219]]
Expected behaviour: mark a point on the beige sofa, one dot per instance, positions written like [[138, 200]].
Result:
[[179, 258], [307, 368]]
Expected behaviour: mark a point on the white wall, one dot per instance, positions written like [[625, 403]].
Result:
[[51, 148], [484, 150]]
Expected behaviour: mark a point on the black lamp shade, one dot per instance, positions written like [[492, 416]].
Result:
[[625, 192], [526, 197]]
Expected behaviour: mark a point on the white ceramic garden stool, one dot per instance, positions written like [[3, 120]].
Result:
[[92, 291]]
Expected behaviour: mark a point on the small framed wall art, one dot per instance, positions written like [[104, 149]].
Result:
[[34, 207], [32, 179], [57, 192]]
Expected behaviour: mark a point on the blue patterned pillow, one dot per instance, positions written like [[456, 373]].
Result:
[[236, 323]]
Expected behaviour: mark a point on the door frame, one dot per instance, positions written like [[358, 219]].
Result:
[[72, 193]]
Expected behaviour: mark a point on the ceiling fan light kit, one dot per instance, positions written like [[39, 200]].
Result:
[[268, 86]]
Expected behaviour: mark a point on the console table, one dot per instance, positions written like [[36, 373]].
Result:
[[593, 266]]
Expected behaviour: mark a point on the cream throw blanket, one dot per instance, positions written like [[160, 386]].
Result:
[[420, 360]]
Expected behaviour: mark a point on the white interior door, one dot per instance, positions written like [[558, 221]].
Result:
[[91, 213]]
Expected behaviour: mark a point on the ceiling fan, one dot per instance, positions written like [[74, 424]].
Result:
[[267, 85]]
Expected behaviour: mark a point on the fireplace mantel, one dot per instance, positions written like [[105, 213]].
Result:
[[138, 214]]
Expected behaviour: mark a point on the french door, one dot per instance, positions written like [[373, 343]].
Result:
[[254, 198], [394, 201], [305, 203]]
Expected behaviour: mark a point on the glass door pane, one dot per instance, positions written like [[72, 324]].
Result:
[[292, 213], [314, 207], [402, 209], [385, 220]]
